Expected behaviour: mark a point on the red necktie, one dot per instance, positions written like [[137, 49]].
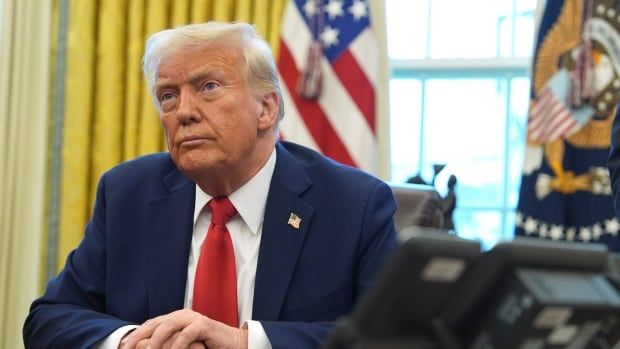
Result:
[[215, 284]]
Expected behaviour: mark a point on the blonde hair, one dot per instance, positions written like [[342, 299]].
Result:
[[259, 70]]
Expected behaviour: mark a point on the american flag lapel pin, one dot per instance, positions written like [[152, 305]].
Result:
[[294, 220]]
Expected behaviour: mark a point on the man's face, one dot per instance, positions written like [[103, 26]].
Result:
[[210, 116]]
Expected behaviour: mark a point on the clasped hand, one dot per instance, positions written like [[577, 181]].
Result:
[[185, 329]]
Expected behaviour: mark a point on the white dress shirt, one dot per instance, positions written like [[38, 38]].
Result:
[[245, 230]]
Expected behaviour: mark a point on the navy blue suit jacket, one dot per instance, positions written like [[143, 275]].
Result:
[[132, 262]]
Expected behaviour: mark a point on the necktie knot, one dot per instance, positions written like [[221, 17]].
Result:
[[221, 210]]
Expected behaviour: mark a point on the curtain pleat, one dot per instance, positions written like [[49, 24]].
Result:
[[275, 23], [107, 140], [109, 112], [78, 121], [180, 13], [6, 177], [260, 16], [53, 50], [223, 10], [201, 11], [149, 133], [243, 10], [133, 78], [24, 95]]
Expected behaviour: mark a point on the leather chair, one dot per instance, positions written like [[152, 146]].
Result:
[[418, 205]]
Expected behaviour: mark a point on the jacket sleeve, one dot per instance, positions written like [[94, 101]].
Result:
[[71, 312], [614, 162], [378, 241]]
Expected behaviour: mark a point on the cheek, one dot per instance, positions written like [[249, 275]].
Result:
[[170, 129], [237, 119], [165, 122], [249, 112]]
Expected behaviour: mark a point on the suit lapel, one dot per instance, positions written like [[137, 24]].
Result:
[[170, 231], [281, 242]]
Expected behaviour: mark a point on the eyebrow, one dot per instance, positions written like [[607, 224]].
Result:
[[194, 77]]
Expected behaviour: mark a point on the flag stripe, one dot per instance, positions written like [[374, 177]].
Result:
[[553, 115], [541, 108], [295, 35], [563, 129], [364, 50], [347, 119], [293, 127], [358, 86], [542, 101], [314, 118], [560, 119], [337, 104], [549, 118]]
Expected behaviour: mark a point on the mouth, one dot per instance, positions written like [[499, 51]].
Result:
[[192, 141]]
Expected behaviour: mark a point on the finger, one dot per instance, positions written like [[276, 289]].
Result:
[[194, 332], [198, 345], [164, 332], [195, 345], [168, 343], [140, 333], [182, 340], [171, 324], [143, 344]]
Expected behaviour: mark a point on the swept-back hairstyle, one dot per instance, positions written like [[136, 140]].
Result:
[[259, 66]]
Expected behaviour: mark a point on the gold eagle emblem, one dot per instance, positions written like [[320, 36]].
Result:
[[581, 25]]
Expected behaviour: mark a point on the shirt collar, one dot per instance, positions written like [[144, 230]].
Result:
[[249, 200]]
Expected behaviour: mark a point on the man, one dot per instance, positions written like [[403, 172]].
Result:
[[301, 235]]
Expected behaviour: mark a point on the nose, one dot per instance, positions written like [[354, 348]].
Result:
[[187, 112]]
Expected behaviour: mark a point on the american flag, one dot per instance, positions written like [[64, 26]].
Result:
[[328, 64], [550, 119]]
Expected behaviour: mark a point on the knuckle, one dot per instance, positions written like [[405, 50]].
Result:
[[182, 341], [142, 344], [188, 333], [169, 323]]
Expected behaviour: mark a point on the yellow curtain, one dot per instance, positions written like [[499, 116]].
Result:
[[108, 111]]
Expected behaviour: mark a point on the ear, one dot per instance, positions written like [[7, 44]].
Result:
[[270, 107]]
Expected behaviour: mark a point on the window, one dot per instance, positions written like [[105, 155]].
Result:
[[458, 97]]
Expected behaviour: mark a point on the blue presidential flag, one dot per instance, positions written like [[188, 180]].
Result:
[[565, 189]]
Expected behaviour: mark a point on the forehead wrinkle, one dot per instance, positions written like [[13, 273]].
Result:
[[210, 70], [181, 78]]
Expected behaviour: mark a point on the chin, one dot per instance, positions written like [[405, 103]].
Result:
[[193, 166]]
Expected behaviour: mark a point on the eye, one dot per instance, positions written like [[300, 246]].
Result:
[[210, 85], [166, 96]]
